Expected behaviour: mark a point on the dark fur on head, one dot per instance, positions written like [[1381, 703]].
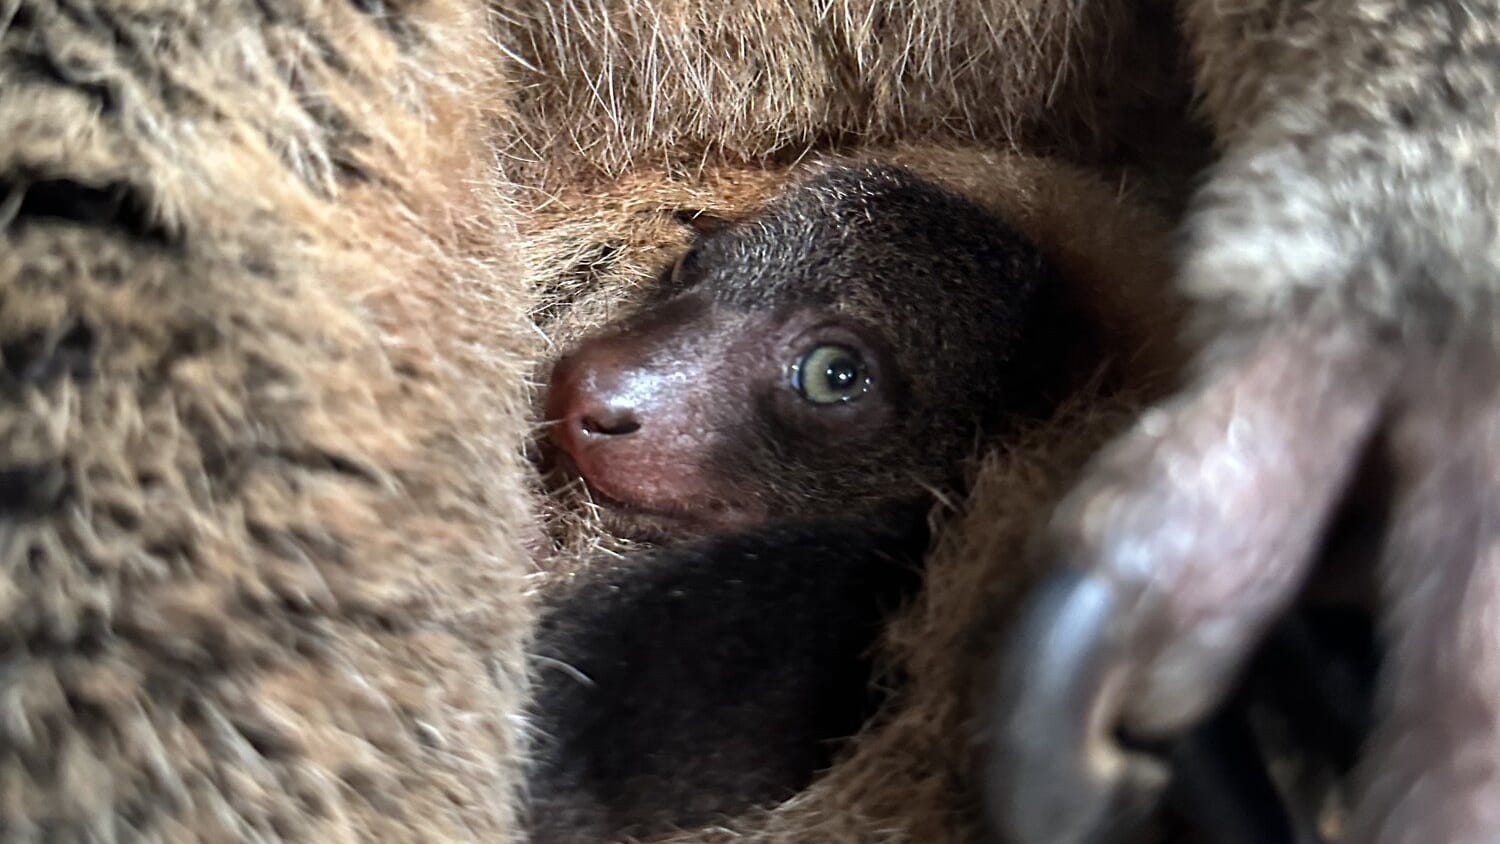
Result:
[[952, 289], [718, 674], [949, 304]]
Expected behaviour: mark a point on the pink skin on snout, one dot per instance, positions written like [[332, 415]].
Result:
[[636, 413]]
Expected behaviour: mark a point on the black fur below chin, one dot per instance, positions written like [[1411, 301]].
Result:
[[712, 676]]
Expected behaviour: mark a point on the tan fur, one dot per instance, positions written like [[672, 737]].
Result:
[[607, 86], [261, 551], [280, 595], [1361, 161], [277, 591]]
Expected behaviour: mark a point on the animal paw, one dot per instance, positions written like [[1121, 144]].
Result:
[[1193, 534]]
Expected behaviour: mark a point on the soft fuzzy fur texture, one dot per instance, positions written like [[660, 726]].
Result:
[[596, 248], [630, 113], [608, 86], [909, 775], [262, 344], [263, 526]]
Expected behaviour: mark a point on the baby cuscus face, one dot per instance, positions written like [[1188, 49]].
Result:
[[846, 344]]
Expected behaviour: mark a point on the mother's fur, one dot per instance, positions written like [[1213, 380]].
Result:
[[263, 344], [265, 286]]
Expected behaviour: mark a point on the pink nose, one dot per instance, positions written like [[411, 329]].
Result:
[[622, 421], [590, 400], [636, 428], [647, 415]]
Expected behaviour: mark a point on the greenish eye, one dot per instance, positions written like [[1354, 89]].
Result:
[[829, 373]]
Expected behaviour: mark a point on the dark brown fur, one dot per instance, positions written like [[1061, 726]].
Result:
[[952, 313], [1108, 250], [720, 673]]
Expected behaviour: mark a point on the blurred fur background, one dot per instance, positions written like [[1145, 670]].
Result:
[[279, 280]]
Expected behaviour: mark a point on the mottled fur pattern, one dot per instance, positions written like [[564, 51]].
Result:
[[262, 340], [262, 334], [1417, 138], [261, 580]]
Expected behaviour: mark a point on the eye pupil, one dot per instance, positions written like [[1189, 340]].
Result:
[[830, 373], [842, 373]]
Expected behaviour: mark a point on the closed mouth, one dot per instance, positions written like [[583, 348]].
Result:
[[560, 462]]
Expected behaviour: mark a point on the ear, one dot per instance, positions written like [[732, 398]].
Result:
[[702, 222]]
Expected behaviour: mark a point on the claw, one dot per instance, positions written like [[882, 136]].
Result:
[[1056, 772]]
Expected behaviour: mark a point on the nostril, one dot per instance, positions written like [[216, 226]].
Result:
[[610, 423]]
